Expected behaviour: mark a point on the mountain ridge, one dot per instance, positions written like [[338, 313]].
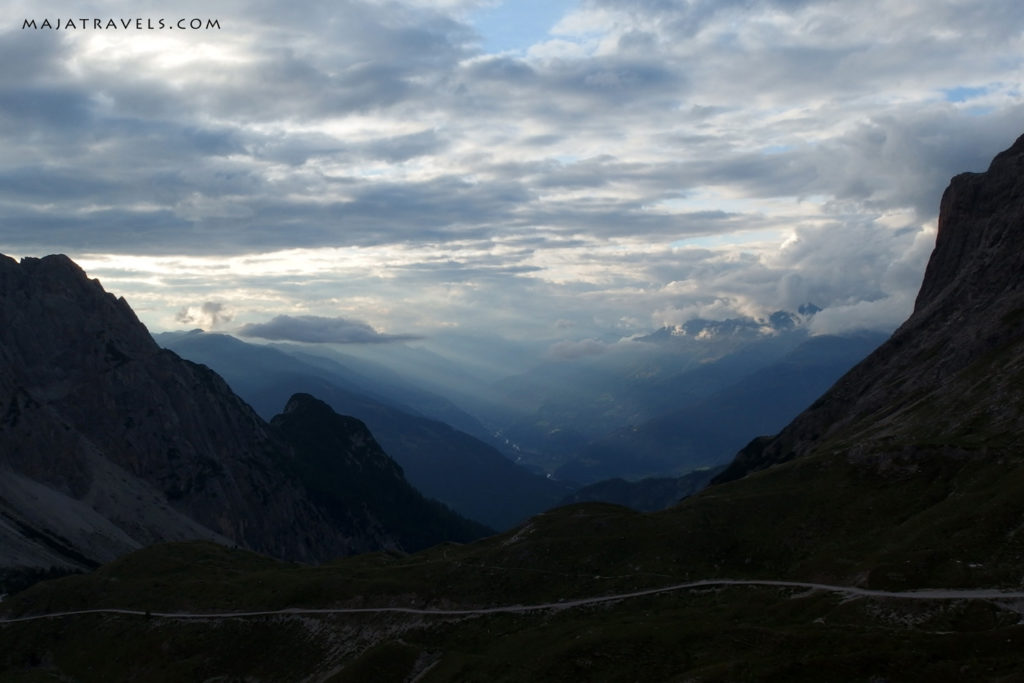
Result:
[[709, 433], [905, 476], [457, 468], [350, 476], [109, 443], [969, 311], [915, 486]]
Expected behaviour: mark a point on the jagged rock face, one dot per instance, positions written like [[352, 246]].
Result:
[[950, 380], [977, 256], [351, 477], [310, 422], [95, 412]]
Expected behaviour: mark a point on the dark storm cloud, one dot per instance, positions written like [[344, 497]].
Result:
[[880, 166], [319, 330], [439, 209], [34, 184]]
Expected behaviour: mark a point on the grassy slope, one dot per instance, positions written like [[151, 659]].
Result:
[[946, 522], [894, 501]]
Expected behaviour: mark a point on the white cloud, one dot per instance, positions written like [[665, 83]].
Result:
[[315, 329], [883, 314], [208, 315], [645, 162]]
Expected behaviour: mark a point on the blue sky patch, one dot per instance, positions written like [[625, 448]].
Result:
[[515, 25], [963, 93]]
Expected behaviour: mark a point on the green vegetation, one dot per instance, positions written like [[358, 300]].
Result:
[[724, 634], [891, 502], [921, 494], [887, 523], [14, 580]]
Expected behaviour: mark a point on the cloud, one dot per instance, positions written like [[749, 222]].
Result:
[[571, 350], [208, 315], [652, 159], [319, 330], [883, 314]]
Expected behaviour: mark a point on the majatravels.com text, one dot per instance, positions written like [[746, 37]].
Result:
[[139, 24]]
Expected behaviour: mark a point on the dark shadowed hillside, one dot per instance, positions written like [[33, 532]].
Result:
[[646, 495], [444, 463], [950, 381], [350, 477], [109, 443]]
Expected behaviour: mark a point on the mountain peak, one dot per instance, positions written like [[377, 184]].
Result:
[[108, 442], [739, 327], [305, 403], [919, 392], [313, 423], [977, 254]]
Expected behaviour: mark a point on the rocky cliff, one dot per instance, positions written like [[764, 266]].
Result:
[[109, 443], [350, 476], [950, 380]]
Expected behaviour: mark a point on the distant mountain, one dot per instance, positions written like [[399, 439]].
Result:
[[645, 495], [461, 471], [742, 327], [464, 370], [365, 377], [565, 405], [109, 443], [877, 537], [711, 431], [388, 386]]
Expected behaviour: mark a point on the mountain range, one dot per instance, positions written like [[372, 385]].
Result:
[[700, 409], [677, 399], [459, 469], [806, 559], [109, 443], [708, 432]]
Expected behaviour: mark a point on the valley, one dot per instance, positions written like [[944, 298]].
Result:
[[877, 536]]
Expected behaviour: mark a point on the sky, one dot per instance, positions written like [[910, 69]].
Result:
[[570, 171]]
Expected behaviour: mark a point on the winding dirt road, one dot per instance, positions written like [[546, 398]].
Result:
[[926, 594]]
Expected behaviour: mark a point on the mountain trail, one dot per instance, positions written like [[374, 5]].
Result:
[[852, 591]]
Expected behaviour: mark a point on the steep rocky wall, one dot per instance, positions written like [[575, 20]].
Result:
[[969, 314], [93, 409]]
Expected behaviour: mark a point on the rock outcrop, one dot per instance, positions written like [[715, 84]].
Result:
[[950, 380], [360, 487], [109, 443]]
